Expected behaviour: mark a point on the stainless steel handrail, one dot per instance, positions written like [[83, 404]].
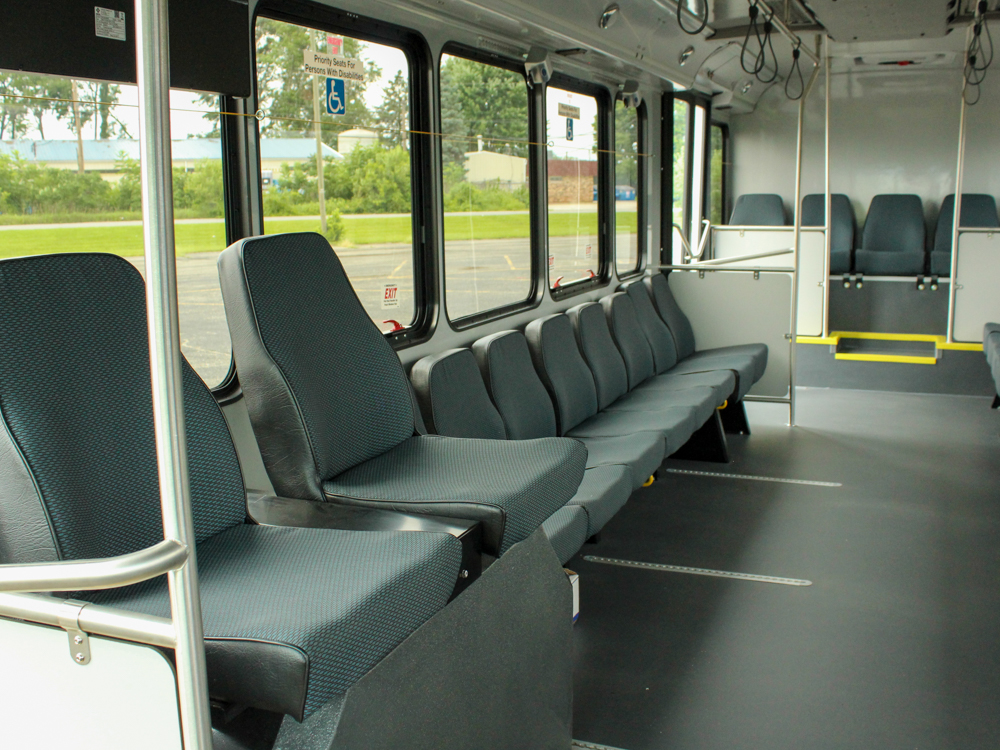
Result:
[[87, 575], [701, 268], [92, 618], [737, 258]]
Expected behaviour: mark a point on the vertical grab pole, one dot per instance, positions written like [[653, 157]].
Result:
[[828, 250], [797, 245], [959, 168], [153, 77]]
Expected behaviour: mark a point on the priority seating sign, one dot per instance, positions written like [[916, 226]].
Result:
[[336, 96]]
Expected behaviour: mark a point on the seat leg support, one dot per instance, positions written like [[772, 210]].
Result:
[[707, 444], [734, 418], [996, 402]]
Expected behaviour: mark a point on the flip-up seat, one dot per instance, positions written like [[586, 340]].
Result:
[[333, 413], [758, 210], [893, 240], [454, 402], [527, 411], [684, 342], [977, 211], [842, 227], [570, 383], [612, 381], [292, 617]]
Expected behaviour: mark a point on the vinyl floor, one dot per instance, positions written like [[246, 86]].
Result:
[[896, 644]]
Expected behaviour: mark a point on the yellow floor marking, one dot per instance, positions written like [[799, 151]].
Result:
[[507, 258]]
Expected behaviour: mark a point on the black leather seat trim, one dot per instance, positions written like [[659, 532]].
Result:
[[26, 531], [265, 674]]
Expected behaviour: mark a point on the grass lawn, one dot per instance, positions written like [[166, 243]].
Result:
[[199, 238]]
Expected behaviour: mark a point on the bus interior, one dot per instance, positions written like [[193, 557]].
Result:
[[589, 374]]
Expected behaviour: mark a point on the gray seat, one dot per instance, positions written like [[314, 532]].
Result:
[[977, 211], [893, 240], [683, 334], [454, 402], [612, 379], [527, 410], [567, 531], [758, 210], [292, 617], [333, 413], [842, 227], [991, 347], [570, 383]]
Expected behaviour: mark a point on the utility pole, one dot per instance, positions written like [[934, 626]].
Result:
[[319, 143], [79, 128]]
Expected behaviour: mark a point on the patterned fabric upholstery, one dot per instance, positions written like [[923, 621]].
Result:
[[758, 210], [562, 369], [75, 395], [627, 334], [525, 481], [977, 211], [453, 399], [514, 386], [347, 380], [893, 239], [603, 492], [673, 316], [567, 531], [661, 343], [600, 352], [843, 227], [344, 598], [642, 452]]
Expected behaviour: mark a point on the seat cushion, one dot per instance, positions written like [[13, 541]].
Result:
[[312, 610], [603, 492], [642, 452], [889, 263], [702, 400], [757, 352], [723, 382], [509, 485], [567, 531], [743, 367], [676, 425], [940, 263], [758, 210], [841, 261]]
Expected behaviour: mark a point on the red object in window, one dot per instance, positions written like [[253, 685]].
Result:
[[555, 284], [396, 325], [592, 274]]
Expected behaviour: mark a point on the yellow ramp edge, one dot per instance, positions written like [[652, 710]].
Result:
[[940, 342], [898, 358], [960, 346]]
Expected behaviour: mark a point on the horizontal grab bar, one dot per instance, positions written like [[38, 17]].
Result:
[[87, 575], [737, 258], [727, 269], [92, 618]]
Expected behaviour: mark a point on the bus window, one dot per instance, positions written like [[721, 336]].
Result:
[[681, 126], [484, 152], [571, 127], [718, 175], [628, 191], [360, 125], [69, 182]]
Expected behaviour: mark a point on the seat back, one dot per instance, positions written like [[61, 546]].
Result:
[[627, 334], [514, 387], [842, 222], [325, 391], [671, 314], [895, 223], [453, 398], [78, 454], [978, 210], [657, 333], [600, 352], [562, 370], [758, 210]]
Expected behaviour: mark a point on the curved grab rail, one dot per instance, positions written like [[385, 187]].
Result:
[[737, 258], [87, 575]]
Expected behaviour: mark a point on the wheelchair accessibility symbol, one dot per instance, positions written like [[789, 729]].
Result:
[[336, 96]]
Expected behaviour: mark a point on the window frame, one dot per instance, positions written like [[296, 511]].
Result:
[[414, 47], [667, 146], [724, 196], [641, 196], [605, 186], [534, 298]]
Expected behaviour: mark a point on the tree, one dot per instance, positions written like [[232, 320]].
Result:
[[393, 114], [483, 100], [626, 146]]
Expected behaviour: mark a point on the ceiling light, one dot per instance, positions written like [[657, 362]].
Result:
[[688, 51], [609, 16]]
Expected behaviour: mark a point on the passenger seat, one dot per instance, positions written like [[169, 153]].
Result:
[[527, 410], [977, 211], [688, 355], [893, 239], [842, 227], [292, 617], [758, 210], [334, 415], [454, 402], [991, 346]]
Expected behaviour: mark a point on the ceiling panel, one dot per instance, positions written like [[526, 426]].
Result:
[[881, 20]]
